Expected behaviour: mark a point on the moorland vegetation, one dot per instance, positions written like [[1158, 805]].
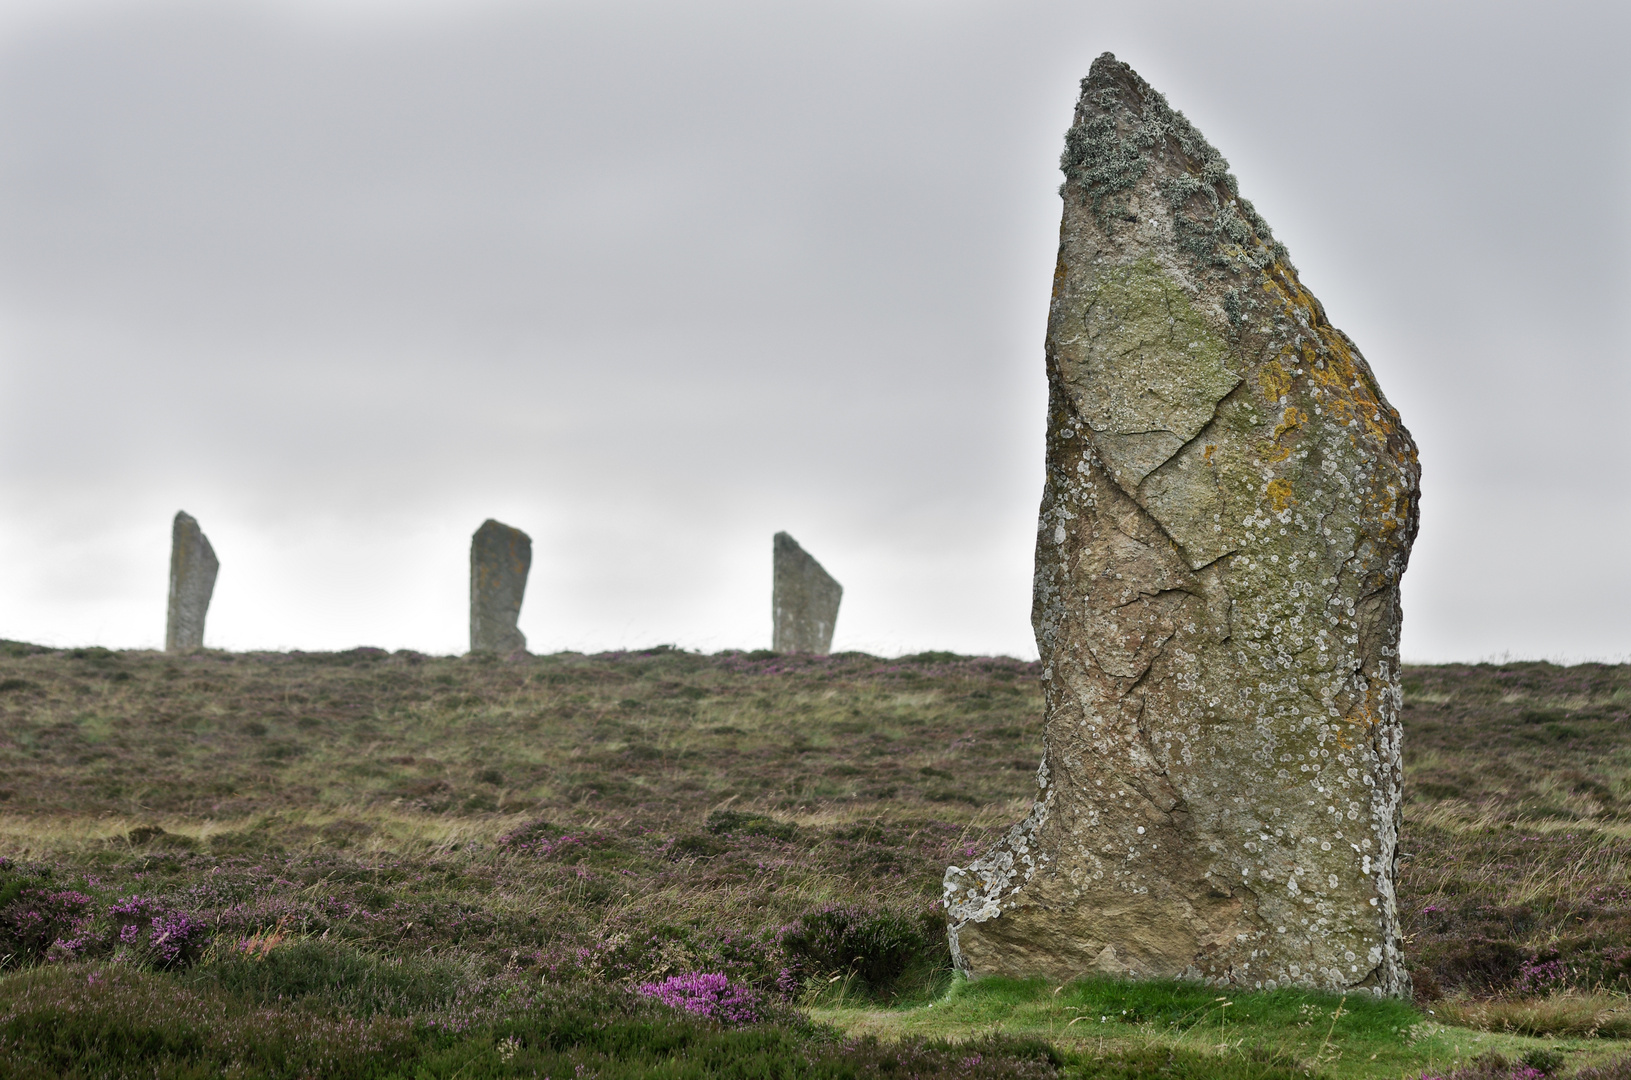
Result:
[[660, 863]]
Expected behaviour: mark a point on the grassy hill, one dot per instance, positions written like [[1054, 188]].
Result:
[[372, 864]]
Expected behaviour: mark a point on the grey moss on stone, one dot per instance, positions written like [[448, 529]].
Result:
[[1122, 125]]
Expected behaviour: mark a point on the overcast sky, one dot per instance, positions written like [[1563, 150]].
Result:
[[652, 281]]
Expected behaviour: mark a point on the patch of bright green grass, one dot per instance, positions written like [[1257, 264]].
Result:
[[1181, 1006], [1119, 1028]]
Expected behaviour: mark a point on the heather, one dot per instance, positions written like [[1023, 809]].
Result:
[[1517, 876], [78, 1022], [348, 864]]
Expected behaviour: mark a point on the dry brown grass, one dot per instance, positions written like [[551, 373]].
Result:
[[1569, 1013], [1519, 889]]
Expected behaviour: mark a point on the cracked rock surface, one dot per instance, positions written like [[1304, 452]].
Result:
[[1229, 508]]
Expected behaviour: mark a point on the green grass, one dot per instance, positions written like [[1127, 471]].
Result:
[[1298, 1030], [424, 864], [1125, 1027]]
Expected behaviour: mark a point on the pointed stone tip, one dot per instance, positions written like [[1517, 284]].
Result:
[[1124, 133], [1105, 65], [1107, 72]]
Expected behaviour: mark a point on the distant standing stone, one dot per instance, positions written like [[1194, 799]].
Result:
[[1229, 506], [804, 601], [499, 560], [192, 581]]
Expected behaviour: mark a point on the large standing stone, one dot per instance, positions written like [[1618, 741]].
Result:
[[499, 560], [1229, 506], [803, 601], [192, 581]]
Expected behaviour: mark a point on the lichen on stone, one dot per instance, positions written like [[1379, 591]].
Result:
[[1121, 126], [1228, 509]]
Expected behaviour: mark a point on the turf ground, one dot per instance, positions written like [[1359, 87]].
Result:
[[371, 864]]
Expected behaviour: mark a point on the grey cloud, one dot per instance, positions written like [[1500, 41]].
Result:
[[653, 281]]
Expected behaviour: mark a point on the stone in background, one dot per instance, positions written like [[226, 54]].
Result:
[[1229, 507], [804, 601], [192, 581], [500, 557]]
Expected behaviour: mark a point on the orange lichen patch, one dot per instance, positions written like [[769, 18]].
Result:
[[1359, 726], [1293, 419], [1275, 380], [1342, 740], [1342, 387], [1402, 507], [1058, 275], [1210, 450], [1370, 712], [1389, 510], [1335, 366], [1279, 493]]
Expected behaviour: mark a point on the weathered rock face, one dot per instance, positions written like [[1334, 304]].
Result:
[[500, 558], [192, 581], [1230, 504], [803, 601]]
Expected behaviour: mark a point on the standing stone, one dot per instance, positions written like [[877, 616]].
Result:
[[192, 581], [1229, 506], [803, 601], [499, 560]]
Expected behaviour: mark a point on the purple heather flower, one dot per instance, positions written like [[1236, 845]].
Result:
[[707, 994]]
